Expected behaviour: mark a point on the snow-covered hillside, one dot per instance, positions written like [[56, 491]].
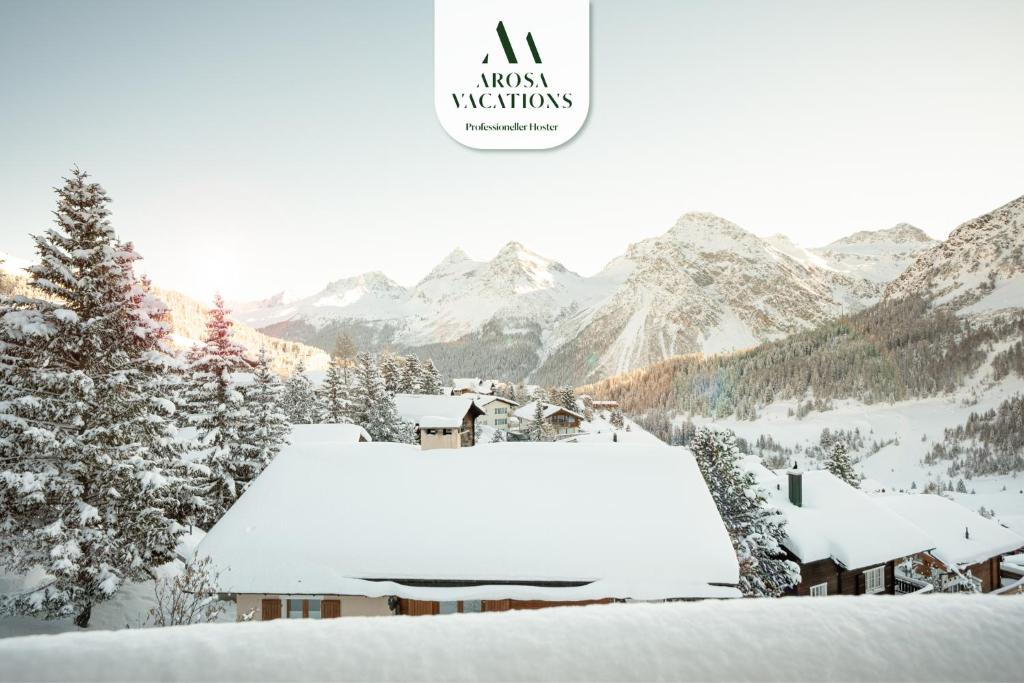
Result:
[[706, 285]]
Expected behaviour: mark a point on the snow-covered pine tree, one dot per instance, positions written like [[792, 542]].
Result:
[[617, 420], [391, 370], [90, 478], [215, 407], [538, 428], [300, 403], [373, 406], [566, 398], [430, 378], [268, 426], [756, 529], [333, 395], [840, 465], [412, 376]]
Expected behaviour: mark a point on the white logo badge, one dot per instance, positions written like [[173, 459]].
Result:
[[512, 74]]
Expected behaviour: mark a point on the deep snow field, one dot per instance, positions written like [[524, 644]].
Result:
[[928, 638]]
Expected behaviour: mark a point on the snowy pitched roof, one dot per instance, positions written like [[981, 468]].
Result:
[[433, 411], [328, 433], [634, 522], [486, 399], [947, 522], [838, 521], [526, 412]]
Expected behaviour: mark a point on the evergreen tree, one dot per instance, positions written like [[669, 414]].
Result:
[[392, 373], [840, 465], [567, 398], [344, 350], [373, 406], [961, 487], [430, 379], [538, 428], [215, 407], [756, 529], [90, 474], [617, 420], [334, 395], [300, 398], [268, 425], [412, 376]]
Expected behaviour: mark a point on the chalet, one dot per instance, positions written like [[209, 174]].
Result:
[[604, 406], [472, 385], [383, 528], [845, 541], [440, 421], [968, 548], [497, 410], [564, 421]]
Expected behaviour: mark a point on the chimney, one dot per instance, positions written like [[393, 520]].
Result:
[[796, 487]]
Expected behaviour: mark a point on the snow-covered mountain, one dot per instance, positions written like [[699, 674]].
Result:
[[878, 256], [706, 285], [979, 269]]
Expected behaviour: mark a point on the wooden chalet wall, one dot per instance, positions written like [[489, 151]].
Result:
[[427, 607]]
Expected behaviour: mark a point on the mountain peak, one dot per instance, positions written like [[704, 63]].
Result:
[[901, 233], [711, 233], [456, 256]]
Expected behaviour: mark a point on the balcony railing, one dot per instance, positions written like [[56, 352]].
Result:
[[908, 585]]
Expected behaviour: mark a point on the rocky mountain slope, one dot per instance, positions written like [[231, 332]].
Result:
[[979, 269], [706, 285]]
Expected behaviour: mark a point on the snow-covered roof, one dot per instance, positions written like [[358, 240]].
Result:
[[433, 411], [625, 522], [474, 384], [838, 521], [947, 523], [486, 399], [328, 433], [527, 411]]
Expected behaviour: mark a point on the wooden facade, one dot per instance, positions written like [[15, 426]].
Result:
[[840, 581]]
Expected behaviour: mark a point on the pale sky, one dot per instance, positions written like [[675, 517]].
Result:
[[254, 147]]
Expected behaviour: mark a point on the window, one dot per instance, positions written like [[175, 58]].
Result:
[[502, 421], [447, 607], [472, 606], [819, 590], [500, 411], [874, 580], [303, 609]]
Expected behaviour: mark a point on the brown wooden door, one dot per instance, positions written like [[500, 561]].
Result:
[[270, 609], [330, 609]]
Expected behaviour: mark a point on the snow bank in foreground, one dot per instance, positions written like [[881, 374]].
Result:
[[837, 638]]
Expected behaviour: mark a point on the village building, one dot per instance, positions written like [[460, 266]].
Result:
[[338, 530], [440, 421], [563, 421], [604, 406], [968, 550], [846, 542], [498, 411], [473, 385]]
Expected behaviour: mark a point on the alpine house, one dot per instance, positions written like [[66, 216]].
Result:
[[363, 529]]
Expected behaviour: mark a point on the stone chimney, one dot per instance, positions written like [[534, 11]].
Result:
[[796, 487]]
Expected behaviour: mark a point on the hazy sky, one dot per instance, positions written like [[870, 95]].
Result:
[[252, 147]]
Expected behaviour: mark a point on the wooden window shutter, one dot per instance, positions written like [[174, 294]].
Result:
[[270, 609], [330, 609]]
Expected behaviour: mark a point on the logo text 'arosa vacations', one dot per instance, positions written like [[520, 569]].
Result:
[[511, 88], [512, 98]]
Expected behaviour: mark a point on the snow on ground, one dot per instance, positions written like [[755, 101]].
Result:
[[916, 426], [964, 638]]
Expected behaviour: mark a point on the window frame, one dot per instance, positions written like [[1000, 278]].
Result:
[[879, 572], [821, 588]]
